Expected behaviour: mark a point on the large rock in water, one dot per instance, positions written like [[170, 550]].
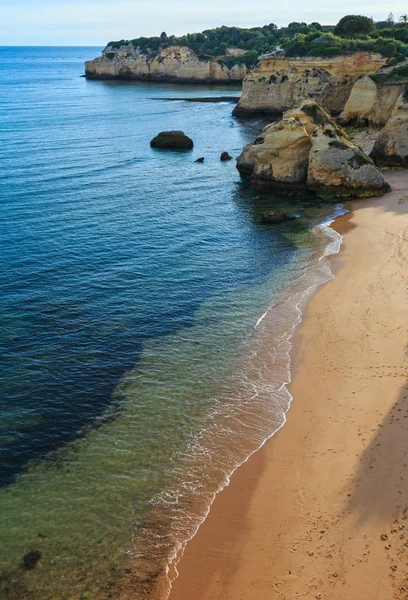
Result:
[[307, 152], [172, 140], [391, 146], [277, 159], [337, 168]]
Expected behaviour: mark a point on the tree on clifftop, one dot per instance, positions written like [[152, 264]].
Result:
[[316, 25], [353, 25]]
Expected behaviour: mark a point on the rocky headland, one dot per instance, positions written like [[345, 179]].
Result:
[[278, 83], [391, 146], [176, 64], [306, 151]]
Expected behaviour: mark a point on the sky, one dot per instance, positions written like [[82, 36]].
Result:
[[95, 22]]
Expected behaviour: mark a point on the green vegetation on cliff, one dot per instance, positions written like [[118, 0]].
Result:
[[396, 76], [213, 43], [328, 44], [353, 33]]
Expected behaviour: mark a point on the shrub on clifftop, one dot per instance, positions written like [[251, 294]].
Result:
[[328, 44], [352, 25], [353, 33]]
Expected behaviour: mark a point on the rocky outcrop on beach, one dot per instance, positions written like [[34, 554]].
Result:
[[173, 64], [370, 103], [307, 152], [172, 140], [339, 169], [278, 84], [391, 146], [278, 158]]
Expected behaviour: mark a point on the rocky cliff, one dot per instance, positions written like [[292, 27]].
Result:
[[277, 84], [391, 146], [369, 103], [307, 152], [174, 64]]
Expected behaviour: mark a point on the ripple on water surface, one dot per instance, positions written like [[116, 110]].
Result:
[[135, 378]]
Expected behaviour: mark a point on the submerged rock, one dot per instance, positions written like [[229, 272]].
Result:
[[307, 152], [200, 160], [31, 559], [225, 156], [276, 216], [172, 140], [391, 146]]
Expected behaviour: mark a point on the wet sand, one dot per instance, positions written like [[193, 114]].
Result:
[[321, 511]]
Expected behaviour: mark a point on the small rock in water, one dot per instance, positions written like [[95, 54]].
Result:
[[276, 216], [200, 160], [172, 140], [225, 156], [31, 559]]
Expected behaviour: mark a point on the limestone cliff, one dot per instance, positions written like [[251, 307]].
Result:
[[370, 103], [277, 84], [173, 64], [307, 152], [277, 160], [391, 146]]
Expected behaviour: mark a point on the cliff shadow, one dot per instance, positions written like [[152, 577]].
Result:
[[213, 556], [380, 484]]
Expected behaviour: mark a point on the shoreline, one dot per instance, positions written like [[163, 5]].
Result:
[[282, 317], [278, 529], [206, 99]]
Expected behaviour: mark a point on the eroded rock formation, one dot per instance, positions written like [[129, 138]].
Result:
[[339, 169], [278, 158], [370, 104], [174, 64], [277, 84], [307, 152], [391, 146]]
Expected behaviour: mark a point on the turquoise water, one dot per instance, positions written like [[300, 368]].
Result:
[[137, 370]]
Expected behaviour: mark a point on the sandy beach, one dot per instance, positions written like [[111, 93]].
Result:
[[321, 511]]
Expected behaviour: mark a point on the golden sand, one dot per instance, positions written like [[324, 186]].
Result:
[[321, 511]]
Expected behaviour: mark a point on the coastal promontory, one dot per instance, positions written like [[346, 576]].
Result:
[[307, 152], [177, 64], [278, 83]]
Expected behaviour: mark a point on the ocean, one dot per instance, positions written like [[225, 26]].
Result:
[[146, 320]]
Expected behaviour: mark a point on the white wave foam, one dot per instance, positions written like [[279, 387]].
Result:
[[258, 408]]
